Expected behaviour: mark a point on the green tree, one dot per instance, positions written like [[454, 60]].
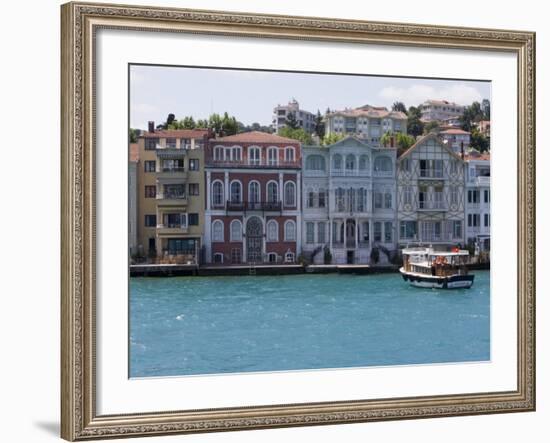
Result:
[[415, 127], [215, 123], [319, 125], [479, 141], [188, 123], [432, 126], [401, 141], [202, 124], [472, 114], [330, 139], [229, 124], [296, 134], [133, 135], [291, 121], [399, 107]]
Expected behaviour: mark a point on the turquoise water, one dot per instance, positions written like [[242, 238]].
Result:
[[207, 325]]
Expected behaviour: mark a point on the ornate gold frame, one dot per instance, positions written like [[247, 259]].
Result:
[[79, 420]]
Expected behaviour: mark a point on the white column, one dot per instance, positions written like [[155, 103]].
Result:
[[330, 228], [208, 189], [226, 186], [356, 233], [281, 187]]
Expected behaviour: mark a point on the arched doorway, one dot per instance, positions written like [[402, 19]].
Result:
[[254, 238]]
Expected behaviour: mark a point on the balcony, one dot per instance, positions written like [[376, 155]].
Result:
[[432, 206], [172, 173], [172, 228], [255, 165], [171, 153], [350, 173], [431, 174], [171, 199], [254, 206], [483, 181]]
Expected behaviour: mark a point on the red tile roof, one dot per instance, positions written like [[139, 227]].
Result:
[[176, 133], [256, 137], [455, 131], [477, 156], [431, 135], [134, 152]]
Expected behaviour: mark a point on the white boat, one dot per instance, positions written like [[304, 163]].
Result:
[[425, 268]]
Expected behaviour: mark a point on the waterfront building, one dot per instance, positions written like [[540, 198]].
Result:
[[439, 110], [430, 194], [171, 193], [348, 199], [478, 199], [367, 122], [457, 139], [253, 207], [133, 161], [305, 119]]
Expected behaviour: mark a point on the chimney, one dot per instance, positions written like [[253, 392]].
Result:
[[151, 126], [462, 149]]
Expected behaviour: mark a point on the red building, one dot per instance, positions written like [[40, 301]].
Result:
[[253, 199]]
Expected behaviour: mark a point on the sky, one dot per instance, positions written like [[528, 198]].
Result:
[[156, 91]]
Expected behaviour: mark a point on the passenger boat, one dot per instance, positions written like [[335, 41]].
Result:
[[426, 268]]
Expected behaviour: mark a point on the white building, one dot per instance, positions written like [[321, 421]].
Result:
[[430, 194], [305, 119], [132, 198], [349, 198], [457, 139], [439, 110], [478, 200], [368, 123]]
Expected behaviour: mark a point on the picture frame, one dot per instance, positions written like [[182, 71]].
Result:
[[80, 24]]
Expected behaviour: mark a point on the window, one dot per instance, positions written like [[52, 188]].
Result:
[[289, 154], [175, 191], [237, 153], [272, 230], [217, 231], [473, 220], [340, 200], [218, 257], [193, 219], [290, 231], [337, 162], [310, 198], [150, 220], [407, 195], [364, 163], [193, 164], [322, 198], [272, 192], [454, 195], [365, 234], [174, 220], [310, 232], [378, 200], [486, 220], [405, 165], [361, 200], [350, 162], [217, 193], [254, 192], [438, 198], [149, 165], [150, 191], [254, 155], [182, 246], [315, 163], [408, 229], [172, 165], [272, 257], [171, 143], [290, 194], [388, 232], [218, 153], [272, 156], [321, 232], [377, 231], [289, 257], [151, 144], [486, 196], [236, 192], [185, 143], [473, 196], [383, 164], [236, 231], [236, 255], [438, 168], [457, 229], [193, 189], [387, 200]]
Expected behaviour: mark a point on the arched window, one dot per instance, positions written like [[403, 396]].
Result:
[[315, 163], [290, 194], [289, 257], [272, 156], [272, 230], [272, 192], [350, 162], [383, 164], [236, 153], [290, 230], [254, 155], [364, 163], [218, 153], [217, 231], [289, 154], [236, 231], [236, 192], [254, 192], [217, 193], [337, 162]]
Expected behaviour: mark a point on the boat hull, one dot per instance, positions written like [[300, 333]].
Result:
[[427, 281]]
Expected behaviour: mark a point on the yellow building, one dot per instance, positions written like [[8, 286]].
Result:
[[171, 194]]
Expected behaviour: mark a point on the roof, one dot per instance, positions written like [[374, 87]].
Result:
[[476, 155], [256, 137], [134, 152], [176, 133], [455, 132], [370, 111], [431, 135], [442, 102]]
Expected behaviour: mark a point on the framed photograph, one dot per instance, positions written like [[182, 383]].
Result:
[[275, 221]]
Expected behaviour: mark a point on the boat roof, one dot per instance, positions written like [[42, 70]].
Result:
[[428, 251]]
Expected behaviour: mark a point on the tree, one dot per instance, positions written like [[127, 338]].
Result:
[[229, 124], [202, 124], [472, 114], [296, 134], [432, 126], [330, 139], [133, 135], [188, 123], [399, 107], [415, 127], [215, 123], [479, 141], [291, 121], [401, 141], [319, 125], [169, 120]]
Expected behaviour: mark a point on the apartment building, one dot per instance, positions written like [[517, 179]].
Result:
[[368, 123], [478, 199], [440, 110], [305, 119], [430, 194], [171, 193], [457, 139], [348, 200], [133, 164], [253, 211]]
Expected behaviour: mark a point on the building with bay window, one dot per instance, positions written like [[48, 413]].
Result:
[[349, 202], [478, 199], [430, 194], [170, 196], [253, 209]]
